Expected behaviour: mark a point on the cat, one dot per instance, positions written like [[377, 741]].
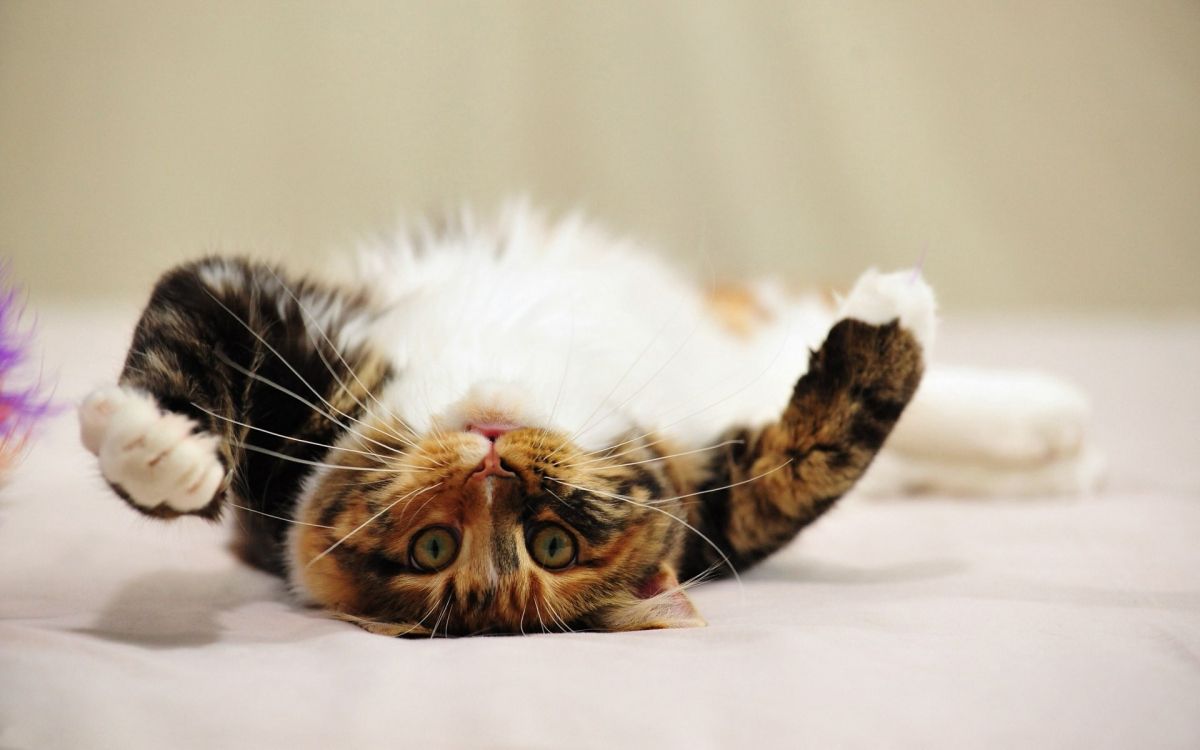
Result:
[[505, 428]]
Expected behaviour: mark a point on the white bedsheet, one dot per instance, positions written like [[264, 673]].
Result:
[[918, 623]]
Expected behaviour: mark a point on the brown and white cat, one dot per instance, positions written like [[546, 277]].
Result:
[[507, 428]]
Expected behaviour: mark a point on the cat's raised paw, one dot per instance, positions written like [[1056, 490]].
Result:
[[156, 458], [879, 298]]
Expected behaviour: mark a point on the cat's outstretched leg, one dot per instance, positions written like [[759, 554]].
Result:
[[787, 474], [235, 383]]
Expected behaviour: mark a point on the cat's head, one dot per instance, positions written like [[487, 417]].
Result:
[[491, 529]]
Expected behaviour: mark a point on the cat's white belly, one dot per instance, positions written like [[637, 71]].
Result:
[[574, 331], [560, 325]]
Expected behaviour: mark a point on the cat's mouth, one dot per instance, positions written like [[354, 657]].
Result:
[[492, 430]]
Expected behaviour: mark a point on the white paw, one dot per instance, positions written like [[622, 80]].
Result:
[[879, 298], [151, 454]]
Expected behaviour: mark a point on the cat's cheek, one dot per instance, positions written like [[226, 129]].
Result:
[[322, 583]]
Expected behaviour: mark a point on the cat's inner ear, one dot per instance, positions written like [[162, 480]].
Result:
[[660, 603]]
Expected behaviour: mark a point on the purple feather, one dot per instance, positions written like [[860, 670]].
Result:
[[20, 407]]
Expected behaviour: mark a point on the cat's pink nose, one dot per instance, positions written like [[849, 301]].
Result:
[[491, 466]]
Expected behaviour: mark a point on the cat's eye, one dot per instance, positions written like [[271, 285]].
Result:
[[434, 548], [552, 547]]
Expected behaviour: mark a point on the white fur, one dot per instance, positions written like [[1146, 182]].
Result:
[[560, 325], [154, 456], [879, 298], [575, 330], [222, 276]]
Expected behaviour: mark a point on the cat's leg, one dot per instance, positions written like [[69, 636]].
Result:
[[782, 477], [227, 355]]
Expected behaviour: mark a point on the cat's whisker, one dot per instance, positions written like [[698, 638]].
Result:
[[232, 504], [682, 345], [683, 586], [405, 468], [444, 612], [438, 433], [616, 409], [561, 383], [710, 490], [421, 622], [435, 429], [267, 381], [341, 477], [215, 415], [654, 506], [605, 454], [343, 387], [315, 324], [556, 496], [659, 458], [369, 521], [702, 577], [282, 359], [358, 619], [446, 628], [294, 371], [624, 498], [538, 610], [404, 512], [699, 578], [636, 361], [384, 426], [775, 358], [556, 618]]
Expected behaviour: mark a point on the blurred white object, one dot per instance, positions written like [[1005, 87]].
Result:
[[989, 432]]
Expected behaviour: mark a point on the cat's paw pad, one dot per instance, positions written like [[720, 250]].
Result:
[[879, 298], [153, 456]]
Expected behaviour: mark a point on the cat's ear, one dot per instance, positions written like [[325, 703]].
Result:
[[660, 603], [390, 629]]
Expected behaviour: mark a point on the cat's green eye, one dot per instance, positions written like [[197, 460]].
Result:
[[434, 548], [552, 547]]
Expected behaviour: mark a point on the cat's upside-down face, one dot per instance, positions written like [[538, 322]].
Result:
[[491, 529]]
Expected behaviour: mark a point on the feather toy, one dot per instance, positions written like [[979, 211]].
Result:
[[21, 406]]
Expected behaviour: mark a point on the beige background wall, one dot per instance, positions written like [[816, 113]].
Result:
[[1045, 154]]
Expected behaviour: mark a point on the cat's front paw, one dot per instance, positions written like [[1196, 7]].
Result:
[[879, 298], [154, 458]]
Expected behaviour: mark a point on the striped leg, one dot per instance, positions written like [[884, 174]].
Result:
[[840, 413], [225, 354]]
